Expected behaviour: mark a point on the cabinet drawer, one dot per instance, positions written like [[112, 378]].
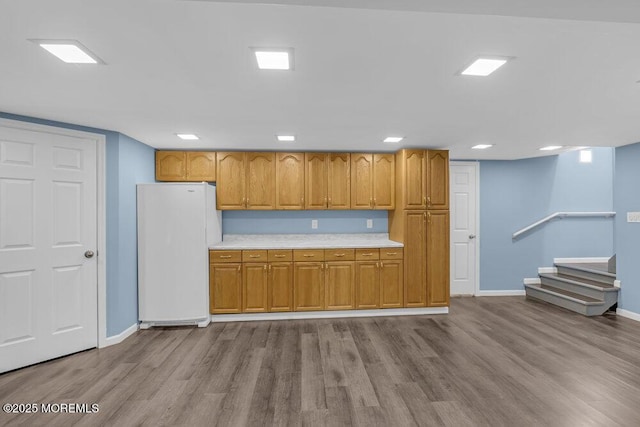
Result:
[[308, 255], [225, 256], [339, 254], [254, 256], [391, 253], [367, 254], [280, 255]]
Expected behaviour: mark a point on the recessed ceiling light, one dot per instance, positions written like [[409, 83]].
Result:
[[69, 51], [273, 58], [187, 136], [286, 138], [393, 139], [484, 66], [551, 147], [482, 146]]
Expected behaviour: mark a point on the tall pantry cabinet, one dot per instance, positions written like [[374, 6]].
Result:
[[421, 222]]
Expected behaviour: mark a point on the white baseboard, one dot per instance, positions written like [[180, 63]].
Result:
[[117, 339], [547, 270], [532, 281], [579, 260], [328, 314], [510, 293], [628, 314]]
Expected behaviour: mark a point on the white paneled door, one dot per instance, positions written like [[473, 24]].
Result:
[[48, 237], [463, 197]]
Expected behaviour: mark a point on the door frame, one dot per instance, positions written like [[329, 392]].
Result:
[[476, 165], [101, 143]]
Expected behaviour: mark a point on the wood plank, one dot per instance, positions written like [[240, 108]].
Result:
[[500, 361]]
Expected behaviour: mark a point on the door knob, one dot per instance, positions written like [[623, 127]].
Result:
[[89, 254], [472, 236]]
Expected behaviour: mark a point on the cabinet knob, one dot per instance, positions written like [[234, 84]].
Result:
[[429, 201]]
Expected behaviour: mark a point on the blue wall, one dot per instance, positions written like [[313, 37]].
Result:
[[299, 222], [627, 199], [128, 162], [136, 164], [514, 194]]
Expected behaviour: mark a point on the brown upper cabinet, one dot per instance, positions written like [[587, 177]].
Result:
[[372, 181], [185, 166], [422, 179], [246, 180], [327, 177], [438, 179], [290, 181]]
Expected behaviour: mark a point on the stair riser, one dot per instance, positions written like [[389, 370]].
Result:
[[582, 290], [586, 275], [586, 310]]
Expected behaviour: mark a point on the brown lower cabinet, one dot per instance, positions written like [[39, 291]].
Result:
[[379, 282], [305, 280], [225, 288]]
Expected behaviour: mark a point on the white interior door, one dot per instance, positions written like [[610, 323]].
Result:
[[463, 187], [48, 225]]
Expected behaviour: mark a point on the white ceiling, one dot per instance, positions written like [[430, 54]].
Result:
[[362, 72]]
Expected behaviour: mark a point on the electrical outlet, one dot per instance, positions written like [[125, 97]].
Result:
[[369, 223], [633, 216], [314, 224]]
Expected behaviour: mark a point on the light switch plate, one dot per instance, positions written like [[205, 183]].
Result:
[[369, 223], [633, 216], [314, 224]]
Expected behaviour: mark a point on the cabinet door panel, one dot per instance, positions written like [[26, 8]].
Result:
[[339, 279], [391, 284], [254, 287], [384, 183], [231, 181], [261, 180], [338, 181], [171, 166], [414, 180], [225, 288], [438, 258], [415, 260], [201, 166], [308, 286], [315, 180], [281, 286], [362, 181], [368, 285], [290, 181], [437, 179]]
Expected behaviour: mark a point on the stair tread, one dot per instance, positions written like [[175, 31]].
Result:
[[600, 268], [578, 280], [574, 295]]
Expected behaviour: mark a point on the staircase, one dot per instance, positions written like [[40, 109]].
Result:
[[584, 287]]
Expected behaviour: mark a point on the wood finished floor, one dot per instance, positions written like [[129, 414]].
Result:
[[499, 361]]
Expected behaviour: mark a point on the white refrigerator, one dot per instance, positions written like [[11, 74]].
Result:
[[177, 222]]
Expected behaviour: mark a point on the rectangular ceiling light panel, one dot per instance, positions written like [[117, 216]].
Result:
[[286, 138], [551, 148], [274, 59], [187, 136], [482, 67], [69, 51], [393, 139]]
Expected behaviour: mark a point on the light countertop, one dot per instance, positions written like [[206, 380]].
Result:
[[306, 241]]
